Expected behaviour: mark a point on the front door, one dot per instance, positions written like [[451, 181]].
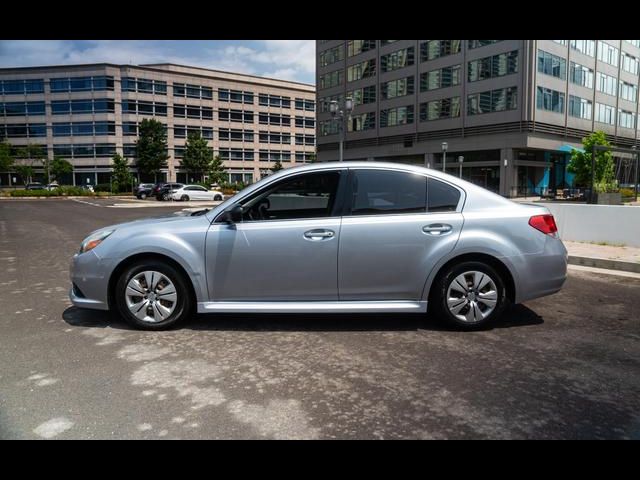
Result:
[[286, 246], [400, 225]]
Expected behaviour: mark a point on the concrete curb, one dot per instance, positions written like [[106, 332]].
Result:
[[605, 263], [70, 197]]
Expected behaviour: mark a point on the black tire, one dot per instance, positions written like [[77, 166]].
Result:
[[142, 196], [438, 297], [165, 197], [217, 198], [184, 301], [184, 198]]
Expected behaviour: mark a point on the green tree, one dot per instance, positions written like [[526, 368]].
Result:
[[6, 159], [59, 167], [217, 173], [276, 166], [312, 158], [197, 157], [580, 163], [25, 171], [121, 177], [151, 147]]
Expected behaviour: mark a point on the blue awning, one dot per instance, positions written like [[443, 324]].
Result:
[[569, 148]]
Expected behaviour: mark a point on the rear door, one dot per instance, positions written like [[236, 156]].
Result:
[[390, 238]]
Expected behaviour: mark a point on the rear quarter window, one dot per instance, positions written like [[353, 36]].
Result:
[[441, 197]]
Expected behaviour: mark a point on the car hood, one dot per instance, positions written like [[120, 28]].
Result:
[[171, 220]]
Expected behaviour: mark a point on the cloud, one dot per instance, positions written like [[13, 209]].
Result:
[[287, 59]]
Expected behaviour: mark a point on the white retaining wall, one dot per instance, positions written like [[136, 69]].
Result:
[[614, 224]]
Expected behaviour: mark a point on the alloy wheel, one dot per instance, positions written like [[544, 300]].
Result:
[[472, 296], [151, 296]]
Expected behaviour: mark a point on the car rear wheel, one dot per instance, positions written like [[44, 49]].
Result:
[[165, 196], [217, 198], [142, 196], [184, 198], [151, 295], [469, 295]]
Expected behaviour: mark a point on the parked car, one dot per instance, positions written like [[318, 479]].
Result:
[[329, 237], [165, 190], [34, 186], [143, 190], [196, 192]]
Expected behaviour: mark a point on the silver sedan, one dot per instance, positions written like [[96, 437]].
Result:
[[329, 237]]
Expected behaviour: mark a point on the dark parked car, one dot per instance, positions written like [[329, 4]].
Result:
[[143, 190], [166, 189], [35, 186]]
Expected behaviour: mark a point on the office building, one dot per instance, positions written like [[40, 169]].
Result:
[[508, 111], [87, 113]]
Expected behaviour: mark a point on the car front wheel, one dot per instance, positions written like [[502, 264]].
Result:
[[217, 198], [469, 295], [142, 196], [151, 295], [184, 198]]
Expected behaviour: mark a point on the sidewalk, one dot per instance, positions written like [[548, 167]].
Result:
[[604, 256]]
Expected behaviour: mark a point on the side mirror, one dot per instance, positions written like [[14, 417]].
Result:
[[233, 214]]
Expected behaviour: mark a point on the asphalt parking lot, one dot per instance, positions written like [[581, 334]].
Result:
[[565, 366]]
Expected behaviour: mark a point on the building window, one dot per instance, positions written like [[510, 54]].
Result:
[[182, 131], [274, 119], [305, 122], [626, 119], [364, 121], [552, 65], [360, 96], [608, 53], [442, 78], [326, 101], [628, 91], [192, 91], [235, 135], [21, 109], [494, 66], [332, 79], [21, 87], [188, 111], [629, 63], [279, 138], [438, 48], [78, 129], [275, 101], [142, 85], [583, 46], [305, 139], [66, 107], [227, 115], [354, 47], [328, 127], [550, 100], [397, 88], [23, 130], [238, 154], [361, 70], [581, 75], [129, 129], [391, 117], [333, 55], [491, 101], [438, 109], [580, 107], [396, 60], [605, 114], [85, 150], [635, 43], [562, 42], [307, 105], [471, 44], [235, 96], [274, 156], [607, 84]]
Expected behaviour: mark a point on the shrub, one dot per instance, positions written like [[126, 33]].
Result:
[[102, 187]]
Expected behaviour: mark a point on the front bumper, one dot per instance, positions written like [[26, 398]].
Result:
[[90, 275]]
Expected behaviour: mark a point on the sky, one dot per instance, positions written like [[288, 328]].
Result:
[[284, 59]]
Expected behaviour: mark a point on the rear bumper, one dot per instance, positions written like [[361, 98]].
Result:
[[542, 273]]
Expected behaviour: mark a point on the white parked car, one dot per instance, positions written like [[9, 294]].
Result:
[[196, 192]]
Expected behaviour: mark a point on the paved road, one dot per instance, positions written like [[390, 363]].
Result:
[[567, 366]]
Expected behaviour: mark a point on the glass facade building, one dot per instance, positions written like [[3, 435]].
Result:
[[87, 113], [512, 109]]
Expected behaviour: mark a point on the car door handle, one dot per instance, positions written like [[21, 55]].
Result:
[[437, 229], [319, 234]]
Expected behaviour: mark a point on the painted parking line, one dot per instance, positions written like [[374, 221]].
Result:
[[88, 203]]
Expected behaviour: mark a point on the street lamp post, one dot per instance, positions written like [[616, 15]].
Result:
[[445, 145], [460, 160], [341, 115], [635, 181]]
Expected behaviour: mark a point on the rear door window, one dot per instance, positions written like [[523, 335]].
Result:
[[442, 197], [380, 192]]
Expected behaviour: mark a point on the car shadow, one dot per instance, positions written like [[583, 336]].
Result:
[[514, 316]]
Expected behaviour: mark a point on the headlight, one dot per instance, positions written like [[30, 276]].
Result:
[[92, 241]]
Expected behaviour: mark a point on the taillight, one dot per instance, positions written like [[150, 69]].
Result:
[[545, 223]]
